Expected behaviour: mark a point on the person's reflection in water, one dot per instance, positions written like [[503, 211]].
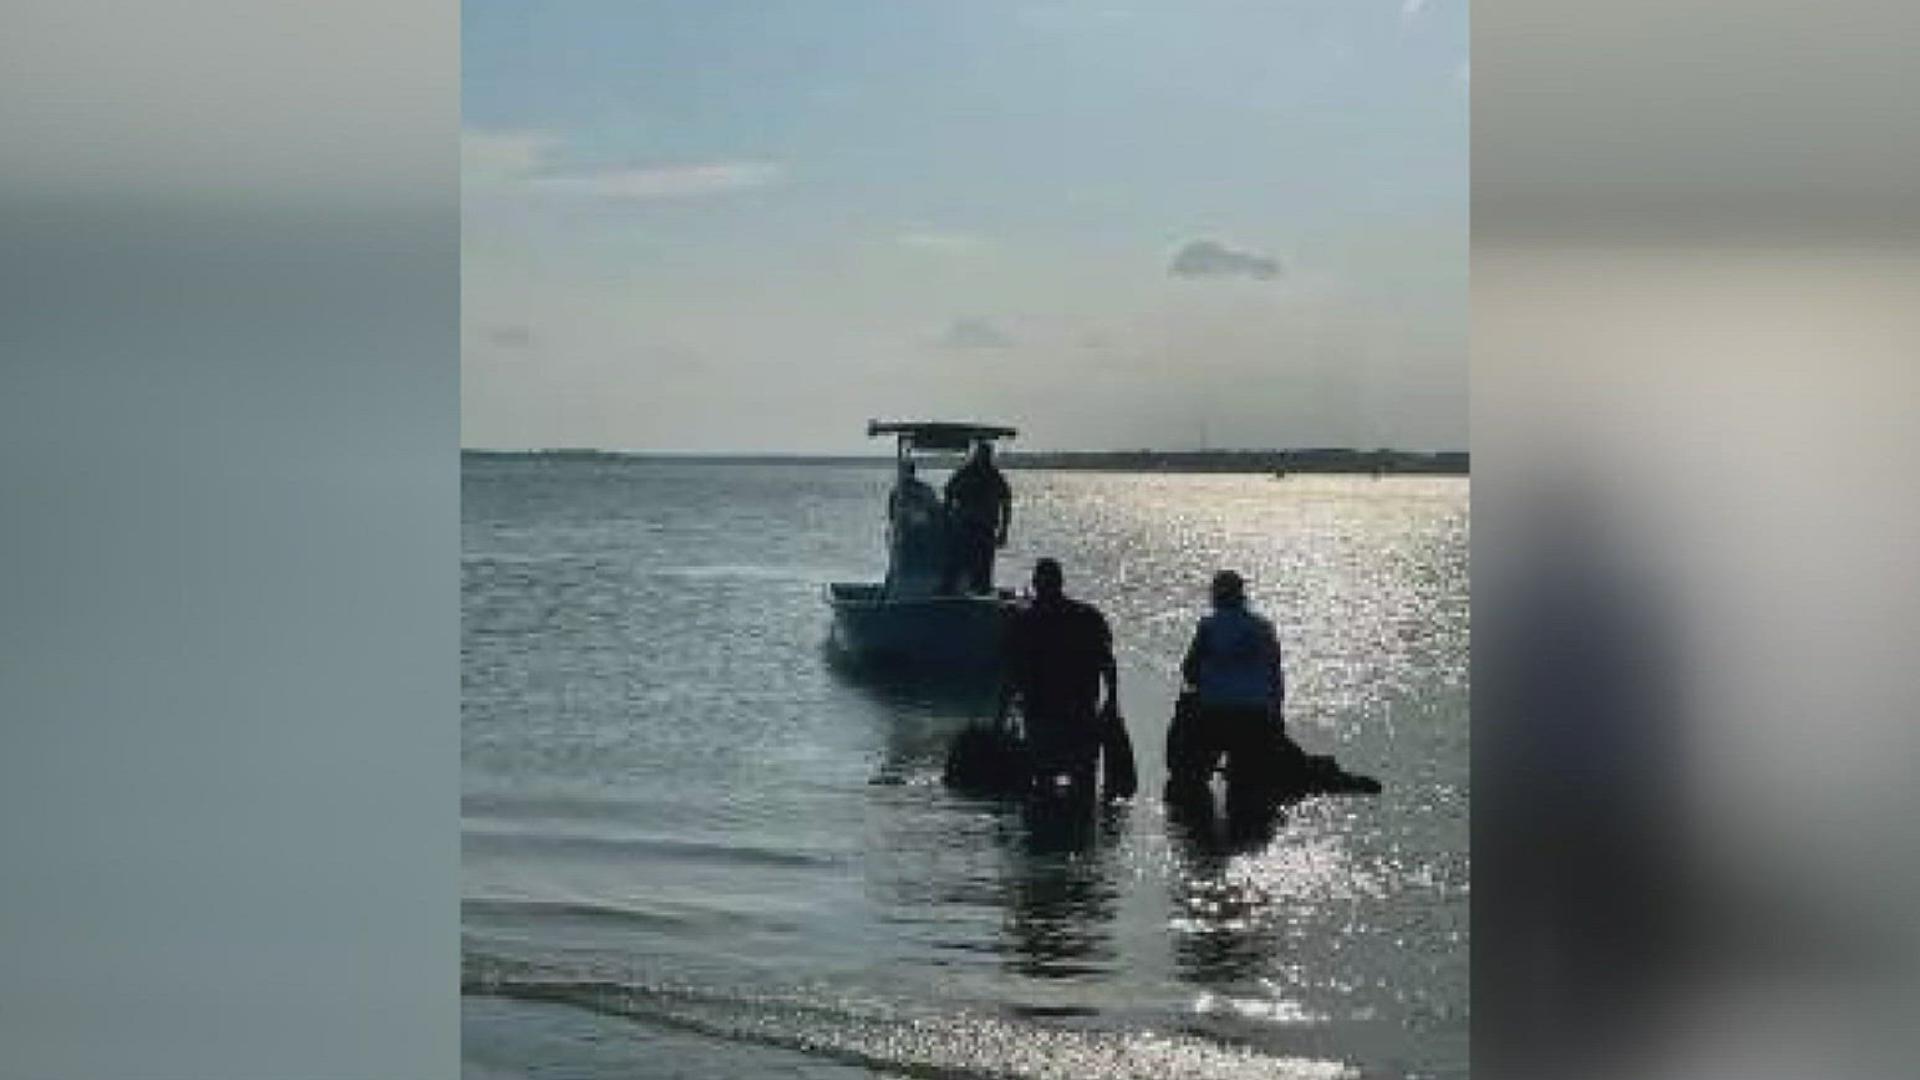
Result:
[[1224, 933], [1199, 830], [1062, 892]]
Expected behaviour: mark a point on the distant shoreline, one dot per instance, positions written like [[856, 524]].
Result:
[[1324, 460]]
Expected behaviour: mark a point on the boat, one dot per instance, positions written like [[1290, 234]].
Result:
[[904, 620]]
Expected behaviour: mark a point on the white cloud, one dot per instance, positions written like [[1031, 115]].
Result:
[[663, 182], [532, 161], [955, 243], [493, 157]]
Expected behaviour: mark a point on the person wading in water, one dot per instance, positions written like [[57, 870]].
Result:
[[1060, 654], [1239, 688]]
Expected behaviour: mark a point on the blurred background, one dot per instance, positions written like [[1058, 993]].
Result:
[[229, 530], [1694, 285]]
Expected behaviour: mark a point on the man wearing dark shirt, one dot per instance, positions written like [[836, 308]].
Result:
[[979, 509], [1060, 653]]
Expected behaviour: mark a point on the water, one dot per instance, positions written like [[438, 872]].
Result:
[[692, 847]]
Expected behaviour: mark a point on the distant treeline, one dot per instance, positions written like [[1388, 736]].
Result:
[[1318, 460]]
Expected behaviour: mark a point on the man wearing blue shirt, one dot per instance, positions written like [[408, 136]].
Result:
[[1238, 688]]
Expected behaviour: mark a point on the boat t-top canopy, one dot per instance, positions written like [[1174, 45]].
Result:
[[938, 435]]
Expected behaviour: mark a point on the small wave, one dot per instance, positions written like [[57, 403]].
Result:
[[1270, 1010], [906, 1041], [492, 840], [519, 909], [509, 806]]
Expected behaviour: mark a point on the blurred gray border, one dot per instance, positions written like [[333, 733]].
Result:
[[229, 270], [1696, 272], [1694, 122]]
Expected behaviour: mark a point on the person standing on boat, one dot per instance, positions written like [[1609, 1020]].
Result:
[[1060, 655], [1238, 686], [917, 536], [979, 509]]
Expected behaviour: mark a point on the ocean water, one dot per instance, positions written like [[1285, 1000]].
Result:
[[694, 847]]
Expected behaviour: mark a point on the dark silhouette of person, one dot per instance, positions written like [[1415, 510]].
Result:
[[1060, 654], [1580, 757], [979, 509], [1235, 705], [916, 529], [909, 491]]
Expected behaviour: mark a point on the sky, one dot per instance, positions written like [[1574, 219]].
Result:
[[719, 225]]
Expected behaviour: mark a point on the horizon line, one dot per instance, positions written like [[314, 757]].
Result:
[[1008, 452]]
